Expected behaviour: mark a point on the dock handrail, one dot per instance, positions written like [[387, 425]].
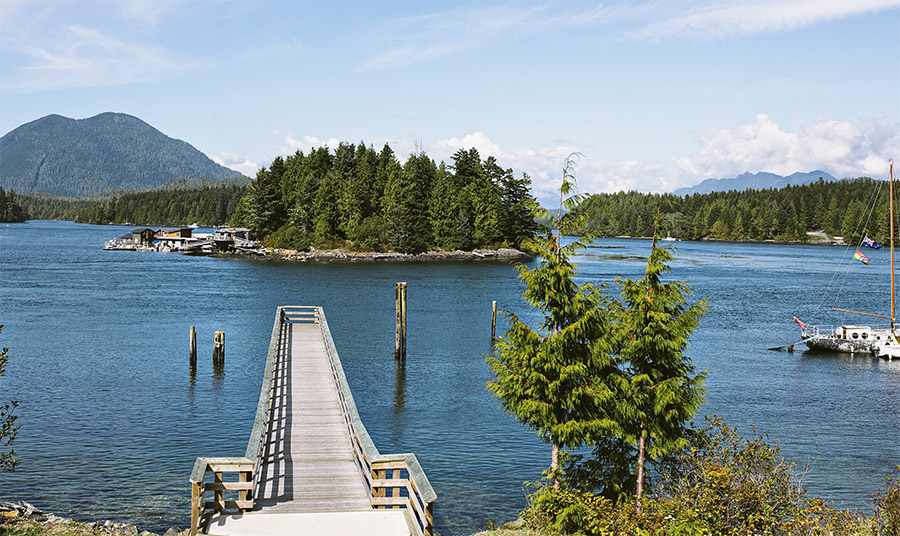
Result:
[[413, 492]]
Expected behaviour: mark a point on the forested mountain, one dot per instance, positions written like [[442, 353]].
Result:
[[374, 202], [70, 157], [755, 181], [160, 206], [11, 209], [848, 208]]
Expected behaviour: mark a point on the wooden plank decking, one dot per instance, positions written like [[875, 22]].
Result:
[[310, 465], [307, 461]]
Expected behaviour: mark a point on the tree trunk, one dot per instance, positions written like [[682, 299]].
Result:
[[554, 463], [640, 476]]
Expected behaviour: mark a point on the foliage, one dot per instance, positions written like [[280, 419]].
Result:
[[68, 157], [848, 208], [371, 200], [560, 511], [887, 505], [8, 427], [555, 379], [163, 206], [720, 485], [662, 392], [11, 209], [288, 237], [730, 485]]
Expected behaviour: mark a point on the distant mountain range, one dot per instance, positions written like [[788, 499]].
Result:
[[81, 157], [754, 181]]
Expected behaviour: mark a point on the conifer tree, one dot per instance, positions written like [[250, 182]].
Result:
[[554, 379], [8, 428], [663, 392]]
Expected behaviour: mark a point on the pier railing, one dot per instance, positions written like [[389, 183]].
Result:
[[400, 474], [394, 480]]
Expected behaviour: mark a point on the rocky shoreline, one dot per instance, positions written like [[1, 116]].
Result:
[[23, 514], [342, 255]]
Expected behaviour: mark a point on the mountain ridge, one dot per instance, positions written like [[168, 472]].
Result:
[[755, 181], [79, 157]]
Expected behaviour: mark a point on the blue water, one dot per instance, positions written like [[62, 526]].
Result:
[[111, 420]]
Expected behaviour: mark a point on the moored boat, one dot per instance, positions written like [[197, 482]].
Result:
[[880, 341]]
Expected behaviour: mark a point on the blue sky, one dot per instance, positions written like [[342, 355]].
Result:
[[656, 95]]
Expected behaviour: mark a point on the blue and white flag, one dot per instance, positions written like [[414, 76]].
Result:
[[869, 243]]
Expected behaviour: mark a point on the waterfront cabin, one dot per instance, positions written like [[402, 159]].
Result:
[[142, 237], [227, 238], [174, 232]]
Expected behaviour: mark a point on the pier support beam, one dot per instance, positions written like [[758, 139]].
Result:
[[493, 322], [400, 331], [219, 349], [193, 349]]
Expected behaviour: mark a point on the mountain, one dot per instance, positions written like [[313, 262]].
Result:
[[754, 181], [80, 157]]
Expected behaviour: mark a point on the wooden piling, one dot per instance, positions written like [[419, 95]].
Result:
[[493, 322], [400, 329], [193, 348], [403, 314], [219, 348]]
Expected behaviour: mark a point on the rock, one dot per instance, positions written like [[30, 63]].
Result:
[[9, 514], [30, 508], [173, 531]]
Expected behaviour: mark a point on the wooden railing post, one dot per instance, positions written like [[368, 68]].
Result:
[[218, 493], [196, 506], [429, 520]]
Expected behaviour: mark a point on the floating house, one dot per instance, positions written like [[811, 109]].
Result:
[[228, 238]]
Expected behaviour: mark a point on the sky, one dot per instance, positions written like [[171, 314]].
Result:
[[654, 95]]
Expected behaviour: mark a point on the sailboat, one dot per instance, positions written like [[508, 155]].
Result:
[[880, 341]]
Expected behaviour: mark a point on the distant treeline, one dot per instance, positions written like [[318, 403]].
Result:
[[366, 199], [848, 208], [207, 206], [11, 209]]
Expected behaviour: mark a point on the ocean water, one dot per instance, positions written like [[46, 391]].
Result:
[[111, 420]]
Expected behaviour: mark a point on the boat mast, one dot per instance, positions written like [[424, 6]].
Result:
[[891, 190]]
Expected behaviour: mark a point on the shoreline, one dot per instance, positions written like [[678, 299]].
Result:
[[342, 255]]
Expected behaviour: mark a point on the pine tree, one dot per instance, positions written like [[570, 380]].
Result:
[[554, 379], [663, 392]]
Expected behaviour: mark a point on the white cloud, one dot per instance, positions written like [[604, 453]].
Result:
[[77, 56], [716, 19], [239, 163], [404, 41], [842, 148]]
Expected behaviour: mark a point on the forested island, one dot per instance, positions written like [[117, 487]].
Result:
[[847, 208], [367, 200], [11, 210]]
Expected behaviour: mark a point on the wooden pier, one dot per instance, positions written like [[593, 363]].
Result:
[[310, 466]]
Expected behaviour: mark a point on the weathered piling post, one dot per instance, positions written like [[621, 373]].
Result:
[[193, 349], [403, 303], [400, 331], [219, 348], [493, 322]]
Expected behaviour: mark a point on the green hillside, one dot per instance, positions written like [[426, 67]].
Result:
[[80, 157]]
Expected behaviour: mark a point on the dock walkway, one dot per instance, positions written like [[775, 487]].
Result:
[[310, 466]]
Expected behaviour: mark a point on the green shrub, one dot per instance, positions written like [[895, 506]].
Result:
[[287, 237], [887, 505]]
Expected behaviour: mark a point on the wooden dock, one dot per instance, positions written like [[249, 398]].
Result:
[[310, 466]]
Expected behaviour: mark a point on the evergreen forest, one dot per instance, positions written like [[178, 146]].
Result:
[[366, 199], [11, 209], [209, 206], [849, 208]]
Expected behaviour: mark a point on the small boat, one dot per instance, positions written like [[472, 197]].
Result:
[[882, 341], [668, 238]]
